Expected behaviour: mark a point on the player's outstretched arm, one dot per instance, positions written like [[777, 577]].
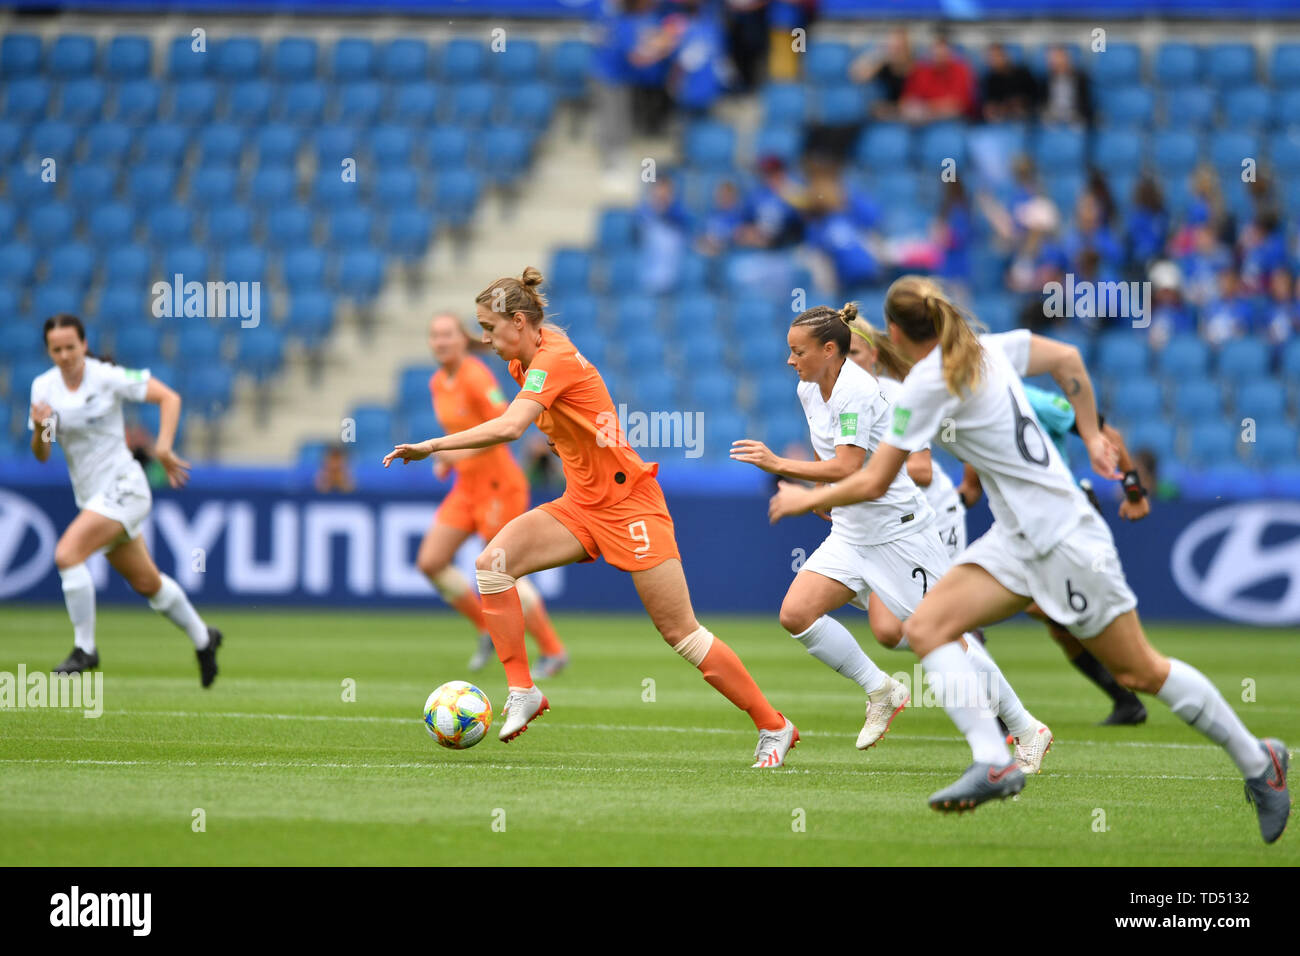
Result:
[[866, 485], [1064, 363], [847, 460], [1136, 504], [507, 426], [169, 417]]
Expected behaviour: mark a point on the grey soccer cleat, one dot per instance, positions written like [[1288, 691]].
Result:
[[980, 782], [483, 653], [1268, 792]]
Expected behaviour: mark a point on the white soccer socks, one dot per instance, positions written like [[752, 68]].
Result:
[[171, 602], [831, 643], [1191, 696], [955, 681], [79, 596]]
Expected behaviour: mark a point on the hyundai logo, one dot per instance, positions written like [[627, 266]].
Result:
[[18, 519], [1224, 555]]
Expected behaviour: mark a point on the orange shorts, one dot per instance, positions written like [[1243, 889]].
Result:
[[634, 534], [483, 507]]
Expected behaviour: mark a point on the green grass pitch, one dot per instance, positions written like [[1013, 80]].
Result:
[[288, 772]]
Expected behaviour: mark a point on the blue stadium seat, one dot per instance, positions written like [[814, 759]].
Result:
[[311, 316], [194, 102], [404, 59], [137, 345], [330, 190], [616, 230], [455, 194], [334, 143], [8, 223], [634, 319], [397, 187], [1231, 64], [939, 143], [644, 348], [784, 104], [129, 263], [413, 386], [230, 225], [221, 143], [294, 58], [447, 147], [885, 146], [1248, 107], [72, 55], [407, 232], [1177, 64], [303, 267], [51, 224], [108, 142], [1059, 149], [53, 139], [164, 143], [52, 298], [843, 104], [472, 104], [785, 142], [1196, 400], [1121, 355], [277, 145], [1155, 435], [360, 103], [303, 103], [713, 391], [505, 153], [579, 313], [997, 310], [273, 185], [1212, 443], [20, 55], [17, 263], [123, 305], [82, 101], [1261, 399], [1137, 399], [1116, 152], [1290, 363], [237, 58], [184, 62], [374, 423], [27, 99], [249, 102], [1284, 152], [188, 261], [11, 140], [199, 344], [244, 264], [529, 106], [137, 101], [73, 263], [351, 227], [1243, 359], [569, 66], [259, 351], [463, 61], [1188, 108], [709, 146], [391, 145], [212, 186], [207, 390], [1284, 66], [359, 274], [827, 63], [570, 271], [519, 62], [111, 225], [354, 59], [1132, 108], [1277, 445], [128, 57], [1184, 357], [417, 103], [170, 225], [1176, 153], [1119, 65]]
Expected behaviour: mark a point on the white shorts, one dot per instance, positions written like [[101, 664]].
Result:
[[899, 571], [126, 499], [1079, 583], [951, 527]]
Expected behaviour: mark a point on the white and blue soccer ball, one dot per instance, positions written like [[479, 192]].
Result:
[[458, 715]]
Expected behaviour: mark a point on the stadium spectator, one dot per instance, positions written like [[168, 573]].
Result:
[[1090, 232], [1204, 260], [1227, 315], [1281, 314], [1009, 90], [954, 233], [334, 475], [650, 61], [888, 69], [1170, 314], [1261, 247], [747, 40], [663, 231], [1065, 96], [784, 17], [771, 220], [837, 225], [725, 215], [1147, 226], [700, 69], [942, 87]]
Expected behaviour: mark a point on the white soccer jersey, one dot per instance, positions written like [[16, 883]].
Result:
[[858, 414], [940, 492], [1031, 492], [89, 424]]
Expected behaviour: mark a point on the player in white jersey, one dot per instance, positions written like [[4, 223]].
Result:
[[78, 405], [1046, 545], [881, 551]]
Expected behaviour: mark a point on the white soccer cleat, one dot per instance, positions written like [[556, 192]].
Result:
[[522, 705], [773, 745], [883, 706], [1032, 748]]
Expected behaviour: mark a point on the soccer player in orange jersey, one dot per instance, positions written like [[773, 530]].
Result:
[[612, 506], [490, 489]]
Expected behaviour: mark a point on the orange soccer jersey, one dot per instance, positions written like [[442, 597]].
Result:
[[611, 502], [490, 487]]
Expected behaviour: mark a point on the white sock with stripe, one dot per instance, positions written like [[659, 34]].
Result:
[[1191, 696]]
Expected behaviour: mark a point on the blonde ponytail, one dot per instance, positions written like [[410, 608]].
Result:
[[918, 306], [889, 359]]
